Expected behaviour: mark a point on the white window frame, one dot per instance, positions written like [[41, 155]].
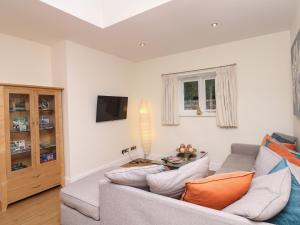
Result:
[[201, 78]]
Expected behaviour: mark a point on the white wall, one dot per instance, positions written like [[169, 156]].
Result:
[[90, 73], [294, 31], [59, 76], [264, 94], [24, 62], [265, 102]]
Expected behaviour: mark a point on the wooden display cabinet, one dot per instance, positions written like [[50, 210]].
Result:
[[31, 141]]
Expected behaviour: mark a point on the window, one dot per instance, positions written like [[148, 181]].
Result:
[[198, 91]]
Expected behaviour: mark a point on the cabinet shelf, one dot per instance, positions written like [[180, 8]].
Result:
[[46, 128], [18, 131], [46, 110], [18, 110], [45, 147], [26, 151]]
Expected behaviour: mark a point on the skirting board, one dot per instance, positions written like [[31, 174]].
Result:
[[214, 166]]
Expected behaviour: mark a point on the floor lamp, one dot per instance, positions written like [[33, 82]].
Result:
[[145, 129]]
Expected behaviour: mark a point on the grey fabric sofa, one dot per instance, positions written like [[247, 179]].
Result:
[[95, 201]]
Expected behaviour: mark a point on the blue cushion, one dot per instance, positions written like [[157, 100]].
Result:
[[297, 154], [290, 215]]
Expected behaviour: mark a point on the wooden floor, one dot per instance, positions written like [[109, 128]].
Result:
[[41, 209]]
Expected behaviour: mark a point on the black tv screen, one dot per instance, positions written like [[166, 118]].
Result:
[[111, 108]]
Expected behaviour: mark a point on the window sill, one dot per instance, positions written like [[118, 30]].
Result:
[[213, 114]]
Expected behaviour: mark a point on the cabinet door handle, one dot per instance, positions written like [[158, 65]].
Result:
[[36, 186], [36, 176]]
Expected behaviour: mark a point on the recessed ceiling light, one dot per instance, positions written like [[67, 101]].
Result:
[[142, 44], [214, 25]]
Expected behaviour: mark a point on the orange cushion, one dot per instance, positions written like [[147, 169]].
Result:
[[280, 150], [290, 146], [218, 191]]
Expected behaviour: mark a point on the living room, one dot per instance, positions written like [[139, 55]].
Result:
[[55, 47]]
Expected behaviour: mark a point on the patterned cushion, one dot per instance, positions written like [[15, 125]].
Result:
[[283, 138], [286, 140]]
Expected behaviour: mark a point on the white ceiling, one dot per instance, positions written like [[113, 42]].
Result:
[[173, 27]]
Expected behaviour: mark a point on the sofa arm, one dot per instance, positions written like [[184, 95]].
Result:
[[123, 205], [245, 149]]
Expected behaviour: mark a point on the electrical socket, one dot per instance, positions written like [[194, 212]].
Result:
[[132, 148], [124, 151]]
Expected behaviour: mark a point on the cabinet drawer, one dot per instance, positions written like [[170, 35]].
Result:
[[23, 187]]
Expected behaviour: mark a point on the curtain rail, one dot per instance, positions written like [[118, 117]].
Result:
[[190, 71]]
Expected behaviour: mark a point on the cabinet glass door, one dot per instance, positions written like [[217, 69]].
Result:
[[20, 131], [47, 128]]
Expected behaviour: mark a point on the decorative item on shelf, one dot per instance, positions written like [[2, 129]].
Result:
[[145, 128], [46, 157], [199, 111], [19, 146], [20, 124], [173, 160], [44, 104], [18, 104], [186, 150], [18, 166], [45, 122]]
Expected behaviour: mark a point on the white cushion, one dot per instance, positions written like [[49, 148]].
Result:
[[267, 196], [172, 183], [295, 170], [133, 176], [266, 160]]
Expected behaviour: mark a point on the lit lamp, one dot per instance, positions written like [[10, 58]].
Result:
[[145, 129]]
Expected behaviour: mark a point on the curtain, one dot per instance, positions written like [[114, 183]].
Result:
[[226, 97], [170, 114]]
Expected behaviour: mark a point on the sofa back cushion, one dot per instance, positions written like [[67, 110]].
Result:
[[171, 183], [134, 176], [280, 150], [266, 160], [267, 196], [218, 191], [290, 214]]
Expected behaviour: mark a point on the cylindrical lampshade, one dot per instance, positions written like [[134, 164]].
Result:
[[145, 128]]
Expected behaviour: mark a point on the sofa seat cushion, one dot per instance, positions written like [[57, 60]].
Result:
[[83, 195], [237, 162]]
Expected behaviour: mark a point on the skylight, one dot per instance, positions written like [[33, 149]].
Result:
[[104, 13]]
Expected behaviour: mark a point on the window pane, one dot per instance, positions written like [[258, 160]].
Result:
[[210, 94], [191, 98]]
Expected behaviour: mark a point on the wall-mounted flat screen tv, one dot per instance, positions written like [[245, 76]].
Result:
[[111, 108]]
